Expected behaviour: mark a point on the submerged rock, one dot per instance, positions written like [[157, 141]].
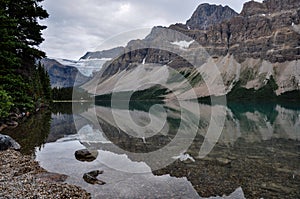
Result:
[[85, 155], [7, 142], [91, 177]]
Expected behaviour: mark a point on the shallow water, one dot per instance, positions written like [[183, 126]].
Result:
[[169, 150]]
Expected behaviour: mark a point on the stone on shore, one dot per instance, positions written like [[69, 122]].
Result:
[[6, 142]]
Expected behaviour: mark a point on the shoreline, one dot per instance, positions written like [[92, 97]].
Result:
[[22, 177]]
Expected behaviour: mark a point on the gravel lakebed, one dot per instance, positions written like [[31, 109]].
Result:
[[22, 177]]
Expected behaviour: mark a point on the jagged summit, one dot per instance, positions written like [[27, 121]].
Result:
[[207, 15]]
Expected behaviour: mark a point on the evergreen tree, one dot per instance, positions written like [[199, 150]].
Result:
[[20, 34], [45, 82]]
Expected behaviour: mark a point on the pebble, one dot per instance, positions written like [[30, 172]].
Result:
[[27, 182]]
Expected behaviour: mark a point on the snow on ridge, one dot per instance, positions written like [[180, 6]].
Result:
[[183, 44], [96, 59], [66, 61], [86, 66]]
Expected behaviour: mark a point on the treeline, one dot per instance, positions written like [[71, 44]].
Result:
[[70, 93], [23, 82]]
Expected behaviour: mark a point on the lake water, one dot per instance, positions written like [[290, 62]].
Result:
[[172, 150]]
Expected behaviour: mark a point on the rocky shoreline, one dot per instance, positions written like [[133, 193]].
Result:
[[22, 177]]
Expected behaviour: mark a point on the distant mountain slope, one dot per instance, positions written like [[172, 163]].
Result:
[[92, 62], [62, 75], [257, 53], [111, 53]]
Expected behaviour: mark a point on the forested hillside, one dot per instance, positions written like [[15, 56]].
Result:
[[23, 82]]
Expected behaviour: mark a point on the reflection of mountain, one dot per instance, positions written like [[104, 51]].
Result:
[[145, 133], [59, 157], [250, 122], [257, 149], [61, 125]]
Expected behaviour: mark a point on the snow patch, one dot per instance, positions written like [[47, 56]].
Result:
[[85, 66], [182, 44], [183, 157]]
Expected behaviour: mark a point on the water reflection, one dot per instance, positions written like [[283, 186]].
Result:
[[62, 117], [251, 123], [32, 132], [258, 150]]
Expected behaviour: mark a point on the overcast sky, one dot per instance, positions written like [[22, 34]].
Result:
[[78, 26]]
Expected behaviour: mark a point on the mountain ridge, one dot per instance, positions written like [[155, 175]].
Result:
[[62, 75], [250, 48]]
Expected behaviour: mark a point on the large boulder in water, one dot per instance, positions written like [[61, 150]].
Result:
[[85, 155], [7, 142]]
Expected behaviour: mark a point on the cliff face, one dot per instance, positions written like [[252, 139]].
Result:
[[62, 75], [251, 50], [265, 30]]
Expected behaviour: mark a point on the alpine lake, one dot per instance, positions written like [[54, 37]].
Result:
[[164, 150]]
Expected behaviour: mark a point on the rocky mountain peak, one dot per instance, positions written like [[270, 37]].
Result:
[[207, 15]]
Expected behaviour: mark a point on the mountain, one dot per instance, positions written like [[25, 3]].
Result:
[[92, 62], [207, 15], [62, 75], [105, 54], [256, 53], [67, 73]]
